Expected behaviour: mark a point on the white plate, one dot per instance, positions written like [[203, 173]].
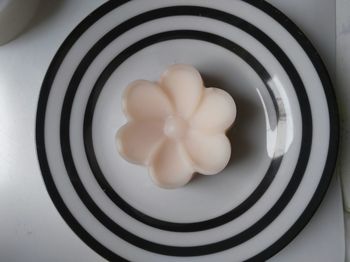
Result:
[[284, 140]]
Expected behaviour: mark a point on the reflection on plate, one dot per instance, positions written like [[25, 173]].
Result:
[[284, 142]]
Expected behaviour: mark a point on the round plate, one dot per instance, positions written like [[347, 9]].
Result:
[[284, 141]]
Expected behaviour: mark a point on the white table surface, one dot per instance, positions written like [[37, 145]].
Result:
[[31, 228]]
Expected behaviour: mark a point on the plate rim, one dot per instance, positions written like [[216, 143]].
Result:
[[330, 162]]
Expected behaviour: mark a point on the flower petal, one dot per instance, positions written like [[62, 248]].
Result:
[[216, 112], [170, 167], [210, 153], [145, 100], [136, 141], [184, 86]]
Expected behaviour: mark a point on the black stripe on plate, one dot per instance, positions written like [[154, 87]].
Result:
[[96, 170], [148, 245]]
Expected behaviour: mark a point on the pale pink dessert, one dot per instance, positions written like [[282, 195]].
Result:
[[176, 127]]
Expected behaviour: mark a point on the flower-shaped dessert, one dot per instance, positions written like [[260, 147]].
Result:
[[176, 126]]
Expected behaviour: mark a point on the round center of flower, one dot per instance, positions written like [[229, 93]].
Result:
[[175, 127]]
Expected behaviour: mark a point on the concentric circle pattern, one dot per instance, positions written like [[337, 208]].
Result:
[[284, 143]]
